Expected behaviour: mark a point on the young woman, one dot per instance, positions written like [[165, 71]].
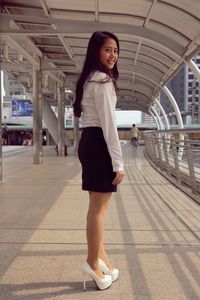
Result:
[[99, 148]]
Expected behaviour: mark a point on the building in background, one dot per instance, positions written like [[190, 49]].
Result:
[[193, 94], [185, 89], [147, 119], [13, 90], [12, 87], [178, 88]]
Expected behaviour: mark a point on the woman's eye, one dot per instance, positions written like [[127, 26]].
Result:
[[110, 50]]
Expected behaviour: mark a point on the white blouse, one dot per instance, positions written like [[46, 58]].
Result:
[[98, 106]]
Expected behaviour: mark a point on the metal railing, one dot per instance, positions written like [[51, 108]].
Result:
[[177, 158]]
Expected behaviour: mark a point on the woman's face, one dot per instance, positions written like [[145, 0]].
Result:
[[108, 53]]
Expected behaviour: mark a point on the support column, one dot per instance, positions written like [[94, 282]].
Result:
[[174, 105], [47, 137], [76, 134], [61, 120], [37, 117], [179, 119], [1, 164], [168, 136], [157, 117], [163, 113], [160, 127]]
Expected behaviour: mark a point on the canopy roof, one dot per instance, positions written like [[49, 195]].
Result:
[[156, 38]]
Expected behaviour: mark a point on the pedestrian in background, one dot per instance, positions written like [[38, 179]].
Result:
[[99, 148], [4, 135], [135, 133]]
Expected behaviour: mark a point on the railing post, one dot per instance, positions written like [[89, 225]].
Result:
[[153, 150], [191, 167], [159, 160], [176, 161], [166, 153], [165, 156]]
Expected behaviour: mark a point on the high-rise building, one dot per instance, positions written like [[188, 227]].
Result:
[[193, 93], [185, 88], [177, 87]]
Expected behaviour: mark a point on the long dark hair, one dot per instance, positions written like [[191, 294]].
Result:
[[92, 63]]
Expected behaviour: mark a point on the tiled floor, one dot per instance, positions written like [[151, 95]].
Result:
[[152, 232]]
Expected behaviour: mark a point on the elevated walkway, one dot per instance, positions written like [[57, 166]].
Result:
[[152, 232]]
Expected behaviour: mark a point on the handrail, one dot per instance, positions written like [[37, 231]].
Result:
[[162, 149]]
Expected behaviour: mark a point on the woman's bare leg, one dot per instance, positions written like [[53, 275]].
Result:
[[95, 220], [104, 257]]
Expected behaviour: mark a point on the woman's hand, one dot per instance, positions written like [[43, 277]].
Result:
[[118, 178]]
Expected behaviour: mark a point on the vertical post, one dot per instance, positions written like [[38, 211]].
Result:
[[178, 116], [166, 153], [166, 122], [37, 116], [61, 119], [176, 161], [163, 113], [155, 119], [159, 158], [47, 137], [189, 154], [1, 97]]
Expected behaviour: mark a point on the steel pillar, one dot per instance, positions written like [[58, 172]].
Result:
[[37, 117], [1, 97], [61, 120], [155, 119], [160, 127], [174, 105], [163, 113], [179, 118]]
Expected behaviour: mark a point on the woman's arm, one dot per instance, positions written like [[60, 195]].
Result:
[[105, 101]]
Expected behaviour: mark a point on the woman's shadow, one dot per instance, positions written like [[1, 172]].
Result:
[[43, 290]]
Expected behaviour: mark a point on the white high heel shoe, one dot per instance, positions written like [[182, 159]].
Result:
[[114, 273], [102, 283]]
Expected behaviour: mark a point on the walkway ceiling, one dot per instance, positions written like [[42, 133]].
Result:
[[156, 38]]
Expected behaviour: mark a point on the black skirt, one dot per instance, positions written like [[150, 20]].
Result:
[[97, 172]]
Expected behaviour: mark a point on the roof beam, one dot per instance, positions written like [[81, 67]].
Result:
[[138, 51], [71, 26], [21, 50], [64, 42], [149, 13], [96, 10]]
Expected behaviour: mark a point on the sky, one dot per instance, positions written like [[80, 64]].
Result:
[[127, 117]]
